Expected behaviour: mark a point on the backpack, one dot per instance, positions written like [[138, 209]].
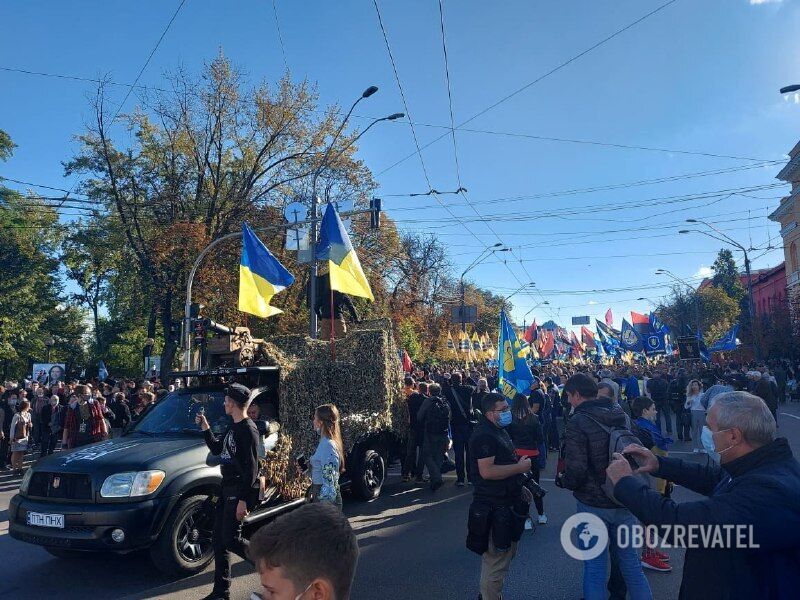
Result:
[[618, 439], [438, 418]]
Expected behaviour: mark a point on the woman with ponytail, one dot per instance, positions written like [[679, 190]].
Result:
[[328, 460]]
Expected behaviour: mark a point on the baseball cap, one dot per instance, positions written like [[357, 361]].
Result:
[[239, 393]]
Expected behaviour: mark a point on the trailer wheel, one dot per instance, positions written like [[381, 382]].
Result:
[[370, 474]]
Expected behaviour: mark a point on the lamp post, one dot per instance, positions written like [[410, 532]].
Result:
[[528, 285], [545, 303], [487, 252], [725, 239], [694, 293], [790, 88], [49, 343]]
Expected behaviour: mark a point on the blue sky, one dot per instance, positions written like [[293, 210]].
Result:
[[699, 76]]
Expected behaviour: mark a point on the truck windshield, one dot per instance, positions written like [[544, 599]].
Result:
[[176, 413]]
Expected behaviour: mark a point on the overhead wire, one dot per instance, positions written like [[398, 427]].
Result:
[[280, 35]]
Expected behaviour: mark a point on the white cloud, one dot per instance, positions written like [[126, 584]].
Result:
[[704, 272], [765, 1], [591, 302]]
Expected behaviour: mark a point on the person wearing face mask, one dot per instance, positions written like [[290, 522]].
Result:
[[327, 462], [493, 527], [757, 485]]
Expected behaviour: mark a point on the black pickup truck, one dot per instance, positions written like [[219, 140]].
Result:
[[150, 489]]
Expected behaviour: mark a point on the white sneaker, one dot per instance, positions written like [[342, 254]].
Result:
[[542, 519], [528, 524], [695, 451]]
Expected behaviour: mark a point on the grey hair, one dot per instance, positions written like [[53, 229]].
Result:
[[747, 413], [483, 385]]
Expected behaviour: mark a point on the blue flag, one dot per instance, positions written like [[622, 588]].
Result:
[[102, 372], [631, 339], [514, 373], [704, 353], [726, 342]]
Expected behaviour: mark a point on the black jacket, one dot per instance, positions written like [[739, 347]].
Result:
[[761, 489], [122, 414], [340, 301], [763, 389], [238, 451], [659, 389], [586, 451], [460, 396], [526, 434]]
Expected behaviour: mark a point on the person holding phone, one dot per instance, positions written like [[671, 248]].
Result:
[[238, 493]]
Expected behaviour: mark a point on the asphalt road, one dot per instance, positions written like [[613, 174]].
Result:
[[411, 541]]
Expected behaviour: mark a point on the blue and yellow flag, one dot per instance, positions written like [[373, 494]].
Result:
[[514, 373], [334, 245], [261, 276]]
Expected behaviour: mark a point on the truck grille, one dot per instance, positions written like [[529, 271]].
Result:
[[65, 486]]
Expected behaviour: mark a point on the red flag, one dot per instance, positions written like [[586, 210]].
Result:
[[577, 351], [407, 366], [639, 319], [530, 333], [548, 344], [587, 337], [609, 318]]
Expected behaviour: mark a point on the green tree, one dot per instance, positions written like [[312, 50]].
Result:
[[726, 275], [407, 340]]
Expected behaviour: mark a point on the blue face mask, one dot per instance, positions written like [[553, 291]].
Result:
[[504, 420]]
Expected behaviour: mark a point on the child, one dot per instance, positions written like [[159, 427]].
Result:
[[648, 431]]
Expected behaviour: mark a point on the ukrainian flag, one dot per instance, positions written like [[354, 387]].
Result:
[[261, 276], [334, 245]]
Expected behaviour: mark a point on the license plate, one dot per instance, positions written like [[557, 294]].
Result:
[[46, 520]]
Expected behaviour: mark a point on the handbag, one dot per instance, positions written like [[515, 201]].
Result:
[[472, 420]]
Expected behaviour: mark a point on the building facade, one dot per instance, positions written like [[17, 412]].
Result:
[[788, 215]]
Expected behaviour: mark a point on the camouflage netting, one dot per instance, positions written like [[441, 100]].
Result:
[[364, 382]]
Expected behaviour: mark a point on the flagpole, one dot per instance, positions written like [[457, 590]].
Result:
[[333, 331]]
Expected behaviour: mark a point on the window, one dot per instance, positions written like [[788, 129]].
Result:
[[793, 256]]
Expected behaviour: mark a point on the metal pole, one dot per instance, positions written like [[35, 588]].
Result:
[[751, 305], [312, 284]]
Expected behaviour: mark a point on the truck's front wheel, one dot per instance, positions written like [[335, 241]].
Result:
[[185, 544], [370, 474]]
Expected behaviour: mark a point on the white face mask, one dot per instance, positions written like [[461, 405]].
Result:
[[709, 437]]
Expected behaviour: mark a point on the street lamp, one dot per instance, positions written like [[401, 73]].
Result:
[[726, 239], [528, 285], [694, 293], [487, 252], [790, 88], [545, 303], [49, 343]]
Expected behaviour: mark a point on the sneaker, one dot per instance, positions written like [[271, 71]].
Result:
[[406, 478], [658, 554], [459, 484], [652, 562], [695, 451], [528, 523], [542, 519]]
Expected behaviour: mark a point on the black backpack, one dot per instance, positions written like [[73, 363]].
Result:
[[618, 439], [437, 420]]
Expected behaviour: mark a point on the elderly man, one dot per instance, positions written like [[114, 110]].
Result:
[[757, 486]]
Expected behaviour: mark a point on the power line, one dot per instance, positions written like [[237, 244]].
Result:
[[280, 37], [539, 79], [449, 95], [45, 187], [149, 57], [78, 78]]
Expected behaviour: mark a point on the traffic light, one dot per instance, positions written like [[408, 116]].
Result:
[[375, 213]]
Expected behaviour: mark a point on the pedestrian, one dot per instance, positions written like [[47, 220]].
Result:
[[526, 433], [658, 390], [6, 414], [57, 418], [20, 435], [694, 404], [238, 492], [756, 487], [435, 416], [413, 464], [327, 462], [461, 423], [308, 553], [586, 443], [121, 414], [762, 388], [46, 418], [83, 421]]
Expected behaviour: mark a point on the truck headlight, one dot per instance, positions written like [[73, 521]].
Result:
[[131, 484], [26, 480]]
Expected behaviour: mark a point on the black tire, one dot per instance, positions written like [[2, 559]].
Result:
[[66, 553], [185, 544], [370, 473]]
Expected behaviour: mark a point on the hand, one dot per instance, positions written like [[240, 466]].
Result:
[[618, 468], [647, 461], [241, 510], [527, 496], [524, 465], [201, 420]]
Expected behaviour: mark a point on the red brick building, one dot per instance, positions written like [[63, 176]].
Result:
[[769, 288]]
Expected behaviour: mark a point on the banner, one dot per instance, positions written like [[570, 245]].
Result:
[[631, 339], [49, 373], [514, 374]]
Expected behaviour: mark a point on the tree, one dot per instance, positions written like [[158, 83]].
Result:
[[726, 275], [207, 155]]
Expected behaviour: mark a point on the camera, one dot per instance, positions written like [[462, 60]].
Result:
[[527, 481]]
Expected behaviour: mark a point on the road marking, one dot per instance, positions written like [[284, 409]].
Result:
[[789, 415]]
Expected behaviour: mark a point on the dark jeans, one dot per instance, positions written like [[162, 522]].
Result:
[[433, 449], [227, 539], [413, 463], [617, 590], [538, 501], [4, 451], [664, 412], [49, 440], [461, 450]]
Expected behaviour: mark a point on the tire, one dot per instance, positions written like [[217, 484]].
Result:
[[185, 544], [370, 475], [66, 554]]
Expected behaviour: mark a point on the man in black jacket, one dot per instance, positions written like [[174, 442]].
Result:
[[323, 309], [238, 452], [658, 389], [122, 414], [434, 415], [460, 398], [586, 445], [756, 488]]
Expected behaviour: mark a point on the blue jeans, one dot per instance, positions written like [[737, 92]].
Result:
[[595, 571]]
